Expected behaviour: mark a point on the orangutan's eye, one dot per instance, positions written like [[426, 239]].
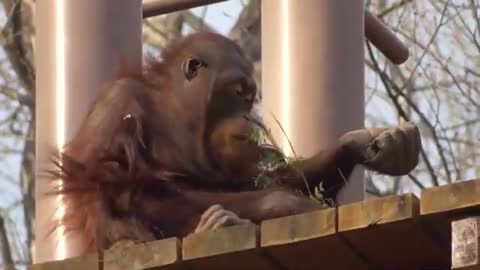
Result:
[[239, 89], [191, 66], [242, 90]]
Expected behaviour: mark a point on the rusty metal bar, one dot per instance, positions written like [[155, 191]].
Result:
[[158, 7], [384, 40], [313, 75], [78, 44]]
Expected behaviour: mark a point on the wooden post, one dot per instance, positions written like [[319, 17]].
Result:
[[466, 243], [78, 44]]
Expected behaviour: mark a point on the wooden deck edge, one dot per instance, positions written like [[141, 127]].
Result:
[[292, 229], [313, 226], [377, 211], [221, 241], [75, 263], [144, 256], [451, 197]]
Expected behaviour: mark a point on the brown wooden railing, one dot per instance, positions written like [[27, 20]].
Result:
[[395, 232]]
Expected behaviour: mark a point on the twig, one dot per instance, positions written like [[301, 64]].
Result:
[[284, 134], [430, 42], [393, 7]]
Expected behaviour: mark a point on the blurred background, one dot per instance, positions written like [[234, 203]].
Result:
[[438, 89]]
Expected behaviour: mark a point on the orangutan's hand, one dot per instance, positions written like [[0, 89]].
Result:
[[217, 217], [391, 151]]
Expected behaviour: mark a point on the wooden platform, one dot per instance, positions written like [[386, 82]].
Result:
[[397, 232]]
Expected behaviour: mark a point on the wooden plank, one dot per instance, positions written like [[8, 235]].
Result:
[[459, 197], [75, 263], [307, 241], [440, 206], [235, 247], [161, 254], [388, 233], [466, 243], [473, 267]]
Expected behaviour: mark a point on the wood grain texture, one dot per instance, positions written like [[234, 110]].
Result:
[[76, 263], [233, 247], [162, 253], [395, 232], [440, 206], [308, 241], [388, 233], [458, 196]]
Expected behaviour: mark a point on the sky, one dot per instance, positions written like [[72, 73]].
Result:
[[221, 16]]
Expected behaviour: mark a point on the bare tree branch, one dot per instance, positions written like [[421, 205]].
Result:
[[5, 244], [16, 48]]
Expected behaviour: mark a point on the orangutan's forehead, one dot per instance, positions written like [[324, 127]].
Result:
[[213, 48], [217, 54], [206, 40]]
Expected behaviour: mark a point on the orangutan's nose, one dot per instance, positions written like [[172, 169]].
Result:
[[251, 85]]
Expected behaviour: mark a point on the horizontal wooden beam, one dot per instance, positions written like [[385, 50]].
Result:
[[308, 241], [380, 233], [233, 247], [460, 196], [441, 206], [75, 263], [165, 253], [388, 232]]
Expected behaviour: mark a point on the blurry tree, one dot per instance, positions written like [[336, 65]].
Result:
[[438, 89], [17, 132]]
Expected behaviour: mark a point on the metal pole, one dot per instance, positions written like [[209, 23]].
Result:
[[157, 7], [383, 38], [78, 44], [313, 75]]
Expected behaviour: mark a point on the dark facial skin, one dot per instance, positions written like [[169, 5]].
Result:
[[159, 148], [222, 91]]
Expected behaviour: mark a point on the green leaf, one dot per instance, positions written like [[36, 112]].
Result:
[[272, 158]]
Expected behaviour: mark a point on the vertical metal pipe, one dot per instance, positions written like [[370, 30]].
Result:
[[313, 75], [78, 44]]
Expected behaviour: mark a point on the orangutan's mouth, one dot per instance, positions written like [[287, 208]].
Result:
[[255, 122], [242, 137]]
